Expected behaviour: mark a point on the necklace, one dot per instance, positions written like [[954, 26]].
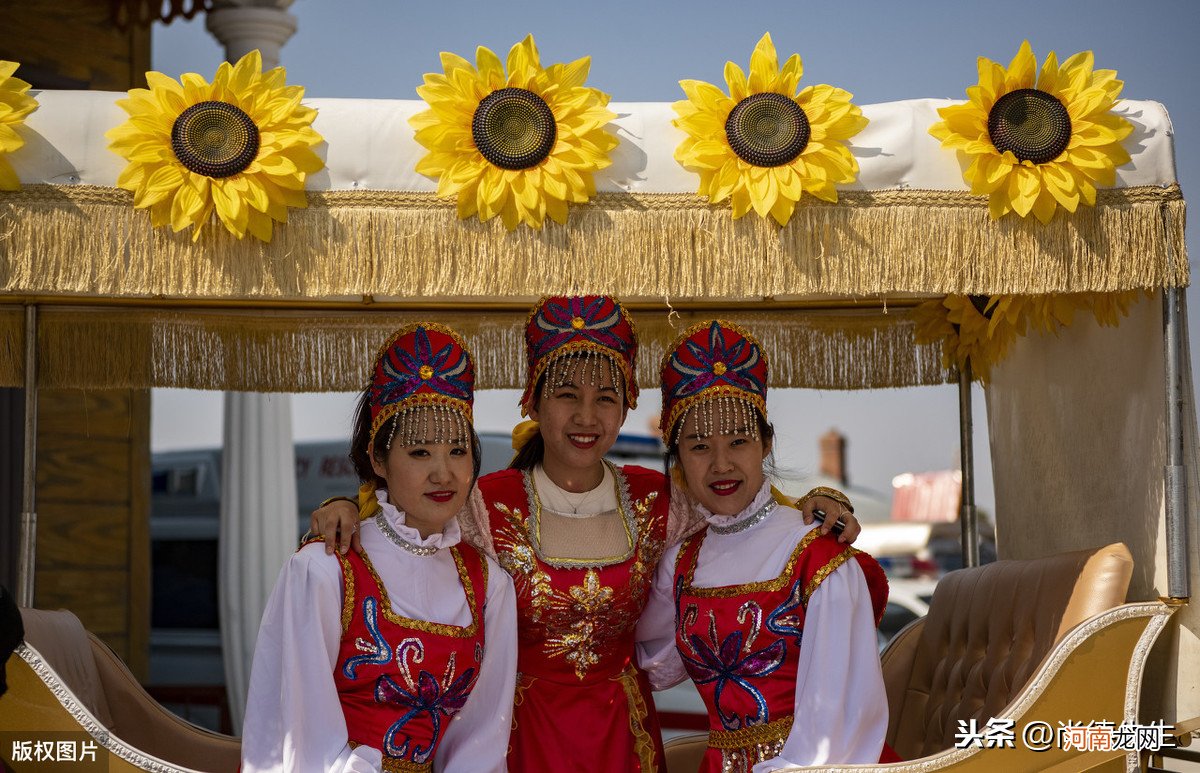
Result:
[[395, 538], [758, 517], [573, 500]]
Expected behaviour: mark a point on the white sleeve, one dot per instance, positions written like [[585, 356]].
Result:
[[841, 709], [294, 719], [477, 738], [657, 654]]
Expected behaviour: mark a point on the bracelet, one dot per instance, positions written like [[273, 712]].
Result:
[[331, 500], [826, 491]]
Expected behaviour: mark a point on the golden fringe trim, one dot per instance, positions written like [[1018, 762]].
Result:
[[643, 744], [90, 240], [776, 730], [302, 351], [12, 346]]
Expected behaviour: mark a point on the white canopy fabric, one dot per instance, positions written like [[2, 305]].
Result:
[[370, 146]]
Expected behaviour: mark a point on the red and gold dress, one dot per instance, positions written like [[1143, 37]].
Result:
[[775, 625], [581, 702], [402, 681]]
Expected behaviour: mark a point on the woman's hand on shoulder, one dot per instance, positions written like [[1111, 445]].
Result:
[[833, 509], [337, 521]]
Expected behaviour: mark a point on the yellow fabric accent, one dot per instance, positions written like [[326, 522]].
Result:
[[88, 240], [782, 498], [523, 433], [368, 504]]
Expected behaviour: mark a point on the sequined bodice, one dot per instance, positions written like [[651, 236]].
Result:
[[576, 617], [401, 681]]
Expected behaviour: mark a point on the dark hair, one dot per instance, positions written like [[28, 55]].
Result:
[[360, 438], [766, 431], [531, 454]]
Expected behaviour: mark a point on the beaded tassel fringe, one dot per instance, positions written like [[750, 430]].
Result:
[[419, 424]]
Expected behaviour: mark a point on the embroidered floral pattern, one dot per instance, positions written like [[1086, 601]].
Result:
[[375, 652], [733, 662], [580, 614], [407, 371], [424, 695]]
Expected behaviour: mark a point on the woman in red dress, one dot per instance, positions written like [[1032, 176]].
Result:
[[733, 603], [414, 660], [581, 538]]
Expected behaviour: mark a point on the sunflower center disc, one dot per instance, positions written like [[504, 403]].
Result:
[[214, 139], [514, 128], [767, 129], [1032, 124]]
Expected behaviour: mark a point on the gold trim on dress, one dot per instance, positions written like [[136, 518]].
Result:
[[444, 629], [820, 575], [398, 765], [347, 592], [776, 730], [727, 591], [534, 526], [643, 744]]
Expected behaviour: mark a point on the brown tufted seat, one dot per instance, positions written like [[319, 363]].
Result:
[[106, 688], [986, 633]]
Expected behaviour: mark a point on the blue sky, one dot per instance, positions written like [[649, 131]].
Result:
[[879, 50]]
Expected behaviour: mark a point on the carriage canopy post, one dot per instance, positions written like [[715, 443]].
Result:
[[28, 545], [1175, 486], [966, 438]]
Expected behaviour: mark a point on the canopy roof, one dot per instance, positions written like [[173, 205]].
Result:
[[375, 238]]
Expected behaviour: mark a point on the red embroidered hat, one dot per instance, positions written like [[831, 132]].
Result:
[[422, 365], [585, 325], [712, 360]]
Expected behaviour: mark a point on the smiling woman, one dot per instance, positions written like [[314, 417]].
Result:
[[730, 606], [383, 647]]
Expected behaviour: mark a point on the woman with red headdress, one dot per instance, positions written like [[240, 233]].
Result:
[[581, 538], [414, 664], [742, 594]]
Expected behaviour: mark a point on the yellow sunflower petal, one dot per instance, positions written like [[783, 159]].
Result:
[[1022, 69], [764, 65], [735, 79]]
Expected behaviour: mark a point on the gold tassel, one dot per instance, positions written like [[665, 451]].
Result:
[[290, 351], [12, 346], [90, 240]]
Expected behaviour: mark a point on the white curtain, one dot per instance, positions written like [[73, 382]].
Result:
[[258, 524], [1078, 433]]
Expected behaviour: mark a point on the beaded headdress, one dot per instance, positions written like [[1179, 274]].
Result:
[[424, 376], [565, 329], [719, 370]]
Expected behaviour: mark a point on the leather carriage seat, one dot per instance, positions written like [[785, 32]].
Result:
[[986, 633], [111, 693]]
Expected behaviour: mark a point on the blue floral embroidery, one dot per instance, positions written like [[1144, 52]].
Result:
[[403, 369], [377, 651], [726, 665], [737, 360], [557, 318], [787, 619], [421, 696]]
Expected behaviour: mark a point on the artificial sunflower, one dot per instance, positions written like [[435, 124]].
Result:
[[978, 328], [982, 328], [763, 146], [1038, 140], [15, 105], [520, 145], [240, 147]]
